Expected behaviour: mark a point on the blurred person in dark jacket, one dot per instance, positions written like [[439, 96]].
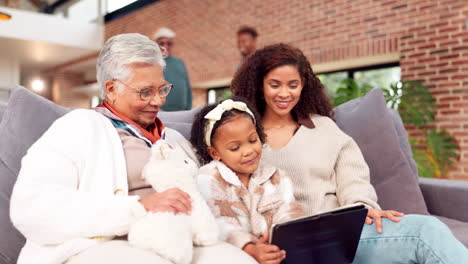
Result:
[[175, 72]]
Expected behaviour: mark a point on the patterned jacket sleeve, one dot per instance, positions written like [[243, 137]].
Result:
[[216, 196], [290, 209]]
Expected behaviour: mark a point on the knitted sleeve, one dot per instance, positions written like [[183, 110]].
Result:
[[353, 177]]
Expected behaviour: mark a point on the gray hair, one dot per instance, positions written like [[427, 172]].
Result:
[[120, 51]]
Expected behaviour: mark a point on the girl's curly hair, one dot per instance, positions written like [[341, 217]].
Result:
[[197, 135], [248, 81]]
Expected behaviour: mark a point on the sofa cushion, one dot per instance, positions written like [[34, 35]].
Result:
[[182, 128], [26, 118], [179, 116], [180, 120], [403, 140], [2, 109], [458, 228], [368, 122], [12, 241]]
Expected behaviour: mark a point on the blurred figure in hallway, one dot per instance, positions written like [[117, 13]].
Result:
[[175, 72], [246, 42]]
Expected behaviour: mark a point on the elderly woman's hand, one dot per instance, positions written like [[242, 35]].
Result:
[[376, 214], [172, 200]]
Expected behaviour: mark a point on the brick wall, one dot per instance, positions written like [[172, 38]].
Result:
[[430, 36]]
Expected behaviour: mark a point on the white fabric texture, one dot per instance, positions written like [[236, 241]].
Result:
[[64, 200], [120, 252]]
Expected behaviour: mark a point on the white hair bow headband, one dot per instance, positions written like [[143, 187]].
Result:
[[215, 115]]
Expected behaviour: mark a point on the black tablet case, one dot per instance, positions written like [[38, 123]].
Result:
[[330, 237]]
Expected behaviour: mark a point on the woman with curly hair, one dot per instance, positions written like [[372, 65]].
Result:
[[228, 139], [325, 165]]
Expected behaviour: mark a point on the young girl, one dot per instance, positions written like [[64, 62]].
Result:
[[246, 196]]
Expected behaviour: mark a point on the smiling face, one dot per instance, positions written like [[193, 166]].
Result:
[[246, 44], [129, 102], [166, 43], [236, 144], [282, 89]]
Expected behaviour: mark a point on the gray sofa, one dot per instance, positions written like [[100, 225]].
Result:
[[378, 132]]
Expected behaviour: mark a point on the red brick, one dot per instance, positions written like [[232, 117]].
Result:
[[448, 29], [460, 76], [439, 24], [451, 112], [459, 62], [460, 105], [439, 65], [426, 73], [450, 126], [438, 79], [424, 60], [427, 46], [449, 84], [439, 37], [449, 57], [451, 98], [450, 43], [415, 55]]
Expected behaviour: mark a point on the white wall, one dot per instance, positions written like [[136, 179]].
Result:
[[26, 25], [9, 76]]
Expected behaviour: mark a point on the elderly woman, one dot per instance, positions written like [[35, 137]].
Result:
[[79, 189]]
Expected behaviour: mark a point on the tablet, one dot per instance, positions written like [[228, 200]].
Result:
[[330, 237]]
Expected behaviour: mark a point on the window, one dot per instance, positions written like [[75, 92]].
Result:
[[95, 101], [378, 76], [218, 94], [113, 5], [332, 81], [84, 10], [87, 10]]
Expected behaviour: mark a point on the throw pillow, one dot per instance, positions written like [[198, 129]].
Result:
[[368, 122], [26, 118]]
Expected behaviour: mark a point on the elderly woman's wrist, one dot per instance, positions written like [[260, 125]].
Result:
[[138, 210]]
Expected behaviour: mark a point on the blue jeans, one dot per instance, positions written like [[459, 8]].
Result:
[[415, 239]]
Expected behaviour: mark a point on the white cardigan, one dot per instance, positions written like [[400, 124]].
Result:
[[71, 192]]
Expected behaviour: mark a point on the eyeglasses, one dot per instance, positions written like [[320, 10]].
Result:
[[147, 94], [164, 43]]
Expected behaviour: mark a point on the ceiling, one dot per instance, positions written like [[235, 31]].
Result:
[[37, 55]]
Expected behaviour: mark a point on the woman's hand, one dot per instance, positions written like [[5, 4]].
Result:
[[265, 253], [172, 200], [376, 214]]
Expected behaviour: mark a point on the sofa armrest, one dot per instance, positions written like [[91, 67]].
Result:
[[446, 197]]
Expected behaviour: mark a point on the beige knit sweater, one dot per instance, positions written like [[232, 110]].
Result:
[[326, 167]]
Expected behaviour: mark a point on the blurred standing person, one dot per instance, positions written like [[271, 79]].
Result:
[[175, 72], [246, 42]]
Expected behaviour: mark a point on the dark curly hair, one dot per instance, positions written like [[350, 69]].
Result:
[[247, 30], [248, 81], [197, 135]]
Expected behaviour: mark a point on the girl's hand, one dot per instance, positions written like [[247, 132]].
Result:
[[265, 253], [376, 214]]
